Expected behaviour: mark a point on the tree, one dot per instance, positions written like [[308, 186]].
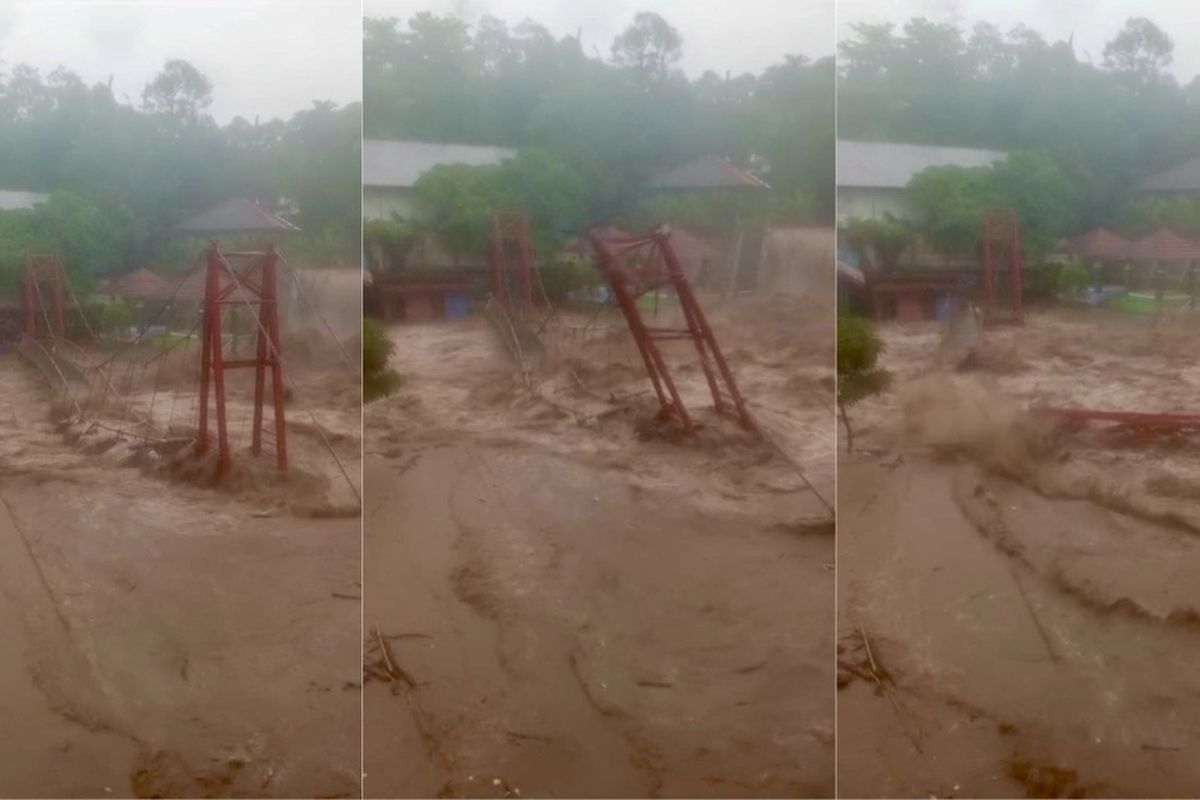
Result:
[[946, 204], [648, 47], [1141, 50], [379, 379], [439, 79], [888, 238], [858, 377], [457, 200], [121, 176], [180, 92], [1105, 127]]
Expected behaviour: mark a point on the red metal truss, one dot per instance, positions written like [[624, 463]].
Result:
[[638, 265], [43, 296], [1002, 231], [1136, 421], [224, 286], [510, 232]]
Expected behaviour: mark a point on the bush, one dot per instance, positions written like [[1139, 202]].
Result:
[[1071, 279], [566, 273], [887, 238], [391, 239], [858, 350], [379, 379], [116, 317]]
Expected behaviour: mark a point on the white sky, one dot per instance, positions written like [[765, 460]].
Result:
[[1093, 22], [265, 57], [735, 35]]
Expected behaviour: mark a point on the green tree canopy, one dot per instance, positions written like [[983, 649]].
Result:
[[615, 123], [1106, 125], [128, 174], [458, 200], [947, 204]]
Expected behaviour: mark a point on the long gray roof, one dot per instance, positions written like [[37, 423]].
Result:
[[1183, 177], [401, 163], [10, 199], [892, 166]]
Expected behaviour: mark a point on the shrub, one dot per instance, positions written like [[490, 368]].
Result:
[[858, 377], [1071, 279], [379, 379], [566, 273], [888, 239]]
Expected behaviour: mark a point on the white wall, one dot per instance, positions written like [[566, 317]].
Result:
[[381, 202], [855, 202]]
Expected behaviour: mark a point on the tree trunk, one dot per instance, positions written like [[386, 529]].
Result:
[[846, 423]]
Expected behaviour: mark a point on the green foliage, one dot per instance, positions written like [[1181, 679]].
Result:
[[379, 379], [457, 200], [858, 377], [1040, 192], [126, 175], [434, 78], [90, 237], [179, 91], [888, 238], [115, 317], [648, 47], [389, 239], [946, 204], [858, 351], [1105, 125], [1071, 279], [1146, 213], [568, 272]]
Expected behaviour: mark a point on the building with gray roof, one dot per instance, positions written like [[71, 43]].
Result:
[[871, 176], [391, 170]]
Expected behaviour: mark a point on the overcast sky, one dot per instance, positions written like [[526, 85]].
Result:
[[1093, 22], [734, 35], [265, 57]]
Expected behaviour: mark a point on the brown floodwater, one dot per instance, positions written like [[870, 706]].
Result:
[[577, 604], [164, 639]]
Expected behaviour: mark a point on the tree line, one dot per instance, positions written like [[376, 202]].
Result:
[[1083, 130], [595, 127], [121, 174]]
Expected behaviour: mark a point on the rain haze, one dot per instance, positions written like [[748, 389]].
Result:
[[1091, 24], [735, 37], [265, 58]]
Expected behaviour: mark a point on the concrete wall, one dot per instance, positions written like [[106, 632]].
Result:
[[800, 260], [336, 293], [382, 202], [865, 203]]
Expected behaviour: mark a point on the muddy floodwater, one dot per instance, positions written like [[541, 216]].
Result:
[[564, 600], [163, 638], [1018, 614]]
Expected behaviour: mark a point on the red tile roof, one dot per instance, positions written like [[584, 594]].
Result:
[[1163, 244], [140, 284], [1098, 243]]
